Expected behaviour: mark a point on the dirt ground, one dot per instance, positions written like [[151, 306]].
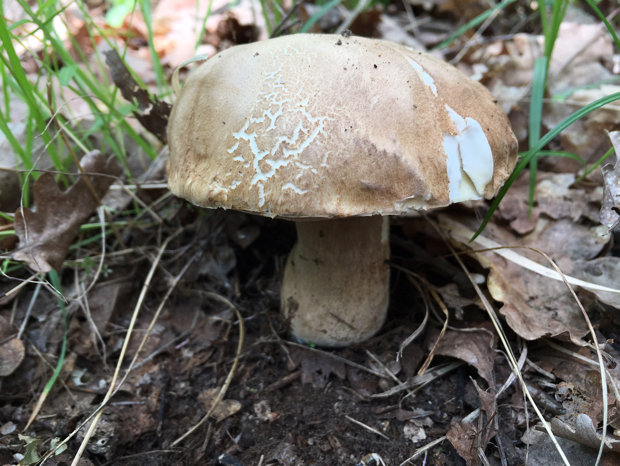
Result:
[[286, 404]]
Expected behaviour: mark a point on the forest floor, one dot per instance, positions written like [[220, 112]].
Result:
[[184, 302]]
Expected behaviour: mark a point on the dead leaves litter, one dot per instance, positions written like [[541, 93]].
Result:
[[46, 232]]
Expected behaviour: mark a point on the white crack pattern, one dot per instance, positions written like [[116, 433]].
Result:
[[267, 159]]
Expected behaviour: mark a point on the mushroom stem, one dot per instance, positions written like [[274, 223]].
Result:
[[335, 289]]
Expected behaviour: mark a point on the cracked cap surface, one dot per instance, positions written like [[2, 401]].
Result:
[[331, 126]]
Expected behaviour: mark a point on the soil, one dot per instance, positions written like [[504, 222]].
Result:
[[286, 403]]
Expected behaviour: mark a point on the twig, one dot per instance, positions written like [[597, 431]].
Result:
[[371, 429], [278, 384], [231, 373], [134, 317]]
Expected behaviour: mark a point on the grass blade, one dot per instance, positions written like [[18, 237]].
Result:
[[539, 81], [607, 24], [535, 151], [472, 24], [319, 14]]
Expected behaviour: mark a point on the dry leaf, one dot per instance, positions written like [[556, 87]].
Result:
[[586, 137], [152, 113], [10, 163], [542, 451], [463, 436], [316, 367], [46, 232], [224, 409], [583, 431], [12, 349], [555, 198], [8, 242], [12, 354], [578, 62], [602, 271], [535, 306], [475, 347], [104, 299]]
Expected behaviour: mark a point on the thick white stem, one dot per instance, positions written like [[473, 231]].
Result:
[[335, 290]]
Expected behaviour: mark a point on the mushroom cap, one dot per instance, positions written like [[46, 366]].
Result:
[[313, 126]]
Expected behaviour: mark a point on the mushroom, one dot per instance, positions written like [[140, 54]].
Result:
[[335, 133]]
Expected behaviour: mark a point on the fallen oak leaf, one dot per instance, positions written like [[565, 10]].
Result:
[[584, 432], [474, 346], [477, 348], [316, 367], [46, 232]]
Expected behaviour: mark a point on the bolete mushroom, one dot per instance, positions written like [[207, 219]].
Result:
[[335, 133]]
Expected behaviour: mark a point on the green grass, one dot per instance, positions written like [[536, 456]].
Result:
[[551, 13], [44, 93], [536, 151]]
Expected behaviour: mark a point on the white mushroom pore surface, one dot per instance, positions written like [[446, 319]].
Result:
[[336, 133]]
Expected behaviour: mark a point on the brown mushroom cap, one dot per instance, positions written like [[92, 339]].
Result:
[[313, 126], [323, 126]]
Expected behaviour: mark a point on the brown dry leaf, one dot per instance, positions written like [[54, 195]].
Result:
[[556, 197], [455, 301], [12, 349], [316, 367], [475, 347], [176, 26], [586, 137], [583, 431], [46, 232], [578, 56], [10, 163], [103, 300], [12, 354], [602, 271], [224, 409], [535, 306], [463, 9], [8, 242], [152, 113], [580, 391], [580, 399], [611, 176], [464, 436]]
